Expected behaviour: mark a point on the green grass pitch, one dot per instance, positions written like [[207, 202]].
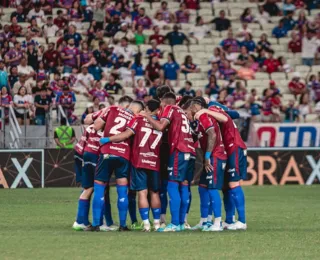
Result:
[[283, 223]]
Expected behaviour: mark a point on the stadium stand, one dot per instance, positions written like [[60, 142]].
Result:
[[82, 55]]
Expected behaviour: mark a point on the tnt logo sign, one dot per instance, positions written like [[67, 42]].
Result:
[[21, 168], [288, 135]]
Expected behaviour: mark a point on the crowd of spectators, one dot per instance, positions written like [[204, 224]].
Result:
[[59, 61]]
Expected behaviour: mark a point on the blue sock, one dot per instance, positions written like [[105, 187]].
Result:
[[175, 201], [107, 207], [98, 203], [190, 199], [122, 191], [204, 202], [144, 213], [163, 197], [239, 201], [132, 206], [83, 211], [184, 194], [156, 213], [229, 206], [215, 202]]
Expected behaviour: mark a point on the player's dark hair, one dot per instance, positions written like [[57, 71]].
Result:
[[153, 105], [161, 91], [125, 99], [139, 103], [200, 101], [169, 95], [187, 104], [184, 100]]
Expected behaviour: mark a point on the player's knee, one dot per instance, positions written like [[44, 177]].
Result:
[[122, 181], [143, 193], [86, 193], [185, 183], [99, 182]]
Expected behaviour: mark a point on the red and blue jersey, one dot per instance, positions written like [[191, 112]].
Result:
[[230, 134], [179, 132], [146, 144], [116, 120], [207, 122]]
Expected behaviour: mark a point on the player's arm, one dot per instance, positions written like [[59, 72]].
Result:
[[119, 137], [218, 116], [98, 124], [158, 125], [88, 119], [210, 145]]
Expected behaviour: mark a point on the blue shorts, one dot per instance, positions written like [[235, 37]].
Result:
[[237, 165], [142, 179], [215, 178], [178, 166], [190, 170], [89, 167], [107, 164], [78, 163]]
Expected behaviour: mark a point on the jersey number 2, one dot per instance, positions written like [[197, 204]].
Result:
[[121, 122]]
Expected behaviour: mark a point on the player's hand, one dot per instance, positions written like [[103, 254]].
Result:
[[208, 166], [104, 140]]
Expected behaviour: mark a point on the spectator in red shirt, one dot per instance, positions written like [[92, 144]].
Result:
[[271, 64], [276, 107], [192, 4], [295, 44], [296, 87], [157, 36], [142, 19], [98, 92], [51, 56], [15, 28], [60, 21]]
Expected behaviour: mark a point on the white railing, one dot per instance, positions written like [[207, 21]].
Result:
[[61, 113], [15, 130]]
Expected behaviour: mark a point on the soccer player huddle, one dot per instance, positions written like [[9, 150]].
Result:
[[151, 149]]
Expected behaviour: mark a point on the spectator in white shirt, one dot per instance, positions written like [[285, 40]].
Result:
[[262, 17], [242, 31], [310, 46], [26, 70], [50, 29], [124, 49], [157, 21], [36, 13], [84, 81], [23, 105], [199, 30], [124, 32]]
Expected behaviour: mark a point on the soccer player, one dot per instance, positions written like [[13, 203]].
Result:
[[90, 158], [236, 167], [145, 163], [211, 180], [181, 147], [78, 163], [114, 157], [164, 159], [184, 103], [123, 102]]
